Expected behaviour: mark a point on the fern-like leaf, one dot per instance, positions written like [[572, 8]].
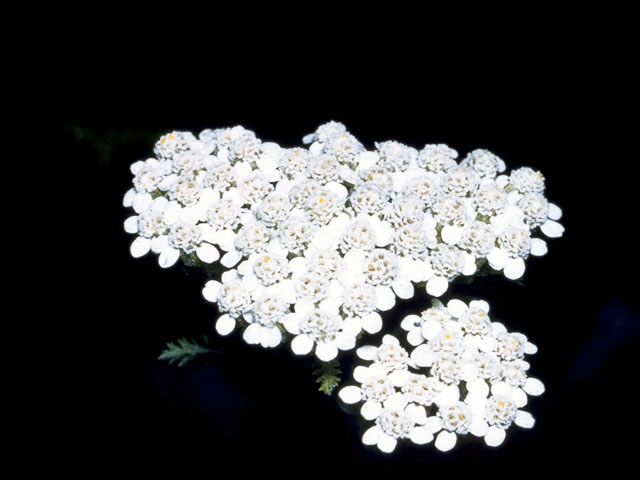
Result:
[[328, 376], [184, 350]]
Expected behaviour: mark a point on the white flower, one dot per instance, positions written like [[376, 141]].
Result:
[[233, 299], [173, 143], [494, 415], [395, 155], [293, 162], [219, 175], [295, 233], [485, 163], [273, 209], [527, 180], [538, 212], [437, 158], [358, 235], [253, 237], [167, 229], [325, 132], [369, 199], [315, 326], [425, 188], [268, 312], [404, 210], [513, 246], [344, 147], [490, 199], [447, 262], [323, 168], [460, 181]]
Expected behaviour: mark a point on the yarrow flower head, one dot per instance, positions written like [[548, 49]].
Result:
[[465, 377]]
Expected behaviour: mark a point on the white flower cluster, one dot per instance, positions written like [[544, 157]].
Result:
[[467, 375], [317, 241], [197, 192]]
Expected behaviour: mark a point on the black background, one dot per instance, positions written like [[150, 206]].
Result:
[[259, 411]]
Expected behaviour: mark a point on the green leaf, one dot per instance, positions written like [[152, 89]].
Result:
[[328, 376], [184, 350]]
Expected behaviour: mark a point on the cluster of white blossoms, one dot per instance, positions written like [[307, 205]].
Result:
[[466, 375], [317, 241], [314, 242]]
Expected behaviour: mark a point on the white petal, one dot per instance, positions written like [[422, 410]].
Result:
[[127, 201], [210, 290], [555, 212], [495, 436], [417, 413], [345, 341], [253, 334], [431, 328], [409, 322], [448, 395], [524, 419], [308, 138], [422, 355], [372, 323], [301, 344], [350, 394], [478, 427], [534, 387], [387, 443], [361, 374], [141, 202], [372, 435], [433, 424], [501, 388], [451, 234], [337, 188], [478, 387], [390, 340], [352, 325], [414, 337], [140, 246], [420, 435], [445, 441], [538, 247], [497, 258], [385, 298], [131, 224], [399, 377], [370, 410], [172, 213], [225, 325], [403, 288], [368, 352], [135, 167], [470, 266], [168, 257], [225, 239], [275, 337], [298, 265], [207, 253], [304, 307], [552, 229], [326, 351], [457, 308], [230, 258], [514, 268], [519, 397], [481, 304], [530, 348], [159, 244], [437, 285], [396, 401]]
